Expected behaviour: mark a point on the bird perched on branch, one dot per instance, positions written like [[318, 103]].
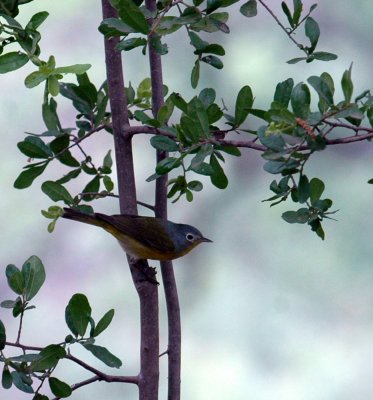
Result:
[[144, 237]]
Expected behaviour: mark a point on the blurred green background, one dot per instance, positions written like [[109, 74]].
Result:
[[269, 311]]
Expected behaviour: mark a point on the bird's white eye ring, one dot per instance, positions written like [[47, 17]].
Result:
[[190, 237]]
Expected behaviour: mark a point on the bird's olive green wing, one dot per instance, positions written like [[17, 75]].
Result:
[[148, 231]]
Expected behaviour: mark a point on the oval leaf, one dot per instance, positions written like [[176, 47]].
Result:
[[104, 322], [2, 336], [33, 273], [244, 103], [104, 355], [164, 143], [77, 314], [15, 278], [56, 192], [218, 177], [25, 178], [12, 61], [59, 388]]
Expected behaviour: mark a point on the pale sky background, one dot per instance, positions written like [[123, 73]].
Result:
[[269, 311]]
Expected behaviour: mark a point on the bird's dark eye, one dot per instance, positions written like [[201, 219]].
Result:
[[190, 237]]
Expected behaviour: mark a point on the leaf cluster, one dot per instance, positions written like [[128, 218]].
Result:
[[193, 133], [31, 369]]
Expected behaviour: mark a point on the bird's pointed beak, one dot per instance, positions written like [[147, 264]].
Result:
[[203, 239]]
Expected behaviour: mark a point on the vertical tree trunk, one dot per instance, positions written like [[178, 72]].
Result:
[[168, 276], [146, 289]]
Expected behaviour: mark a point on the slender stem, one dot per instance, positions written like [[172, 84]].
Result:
[[147, 291], [288, 33], [168, 276], [20, 326]]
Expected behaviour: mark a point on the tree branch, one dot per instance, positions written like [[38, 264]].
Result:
[[252, 144], [288, 33], [98, 374], [146, 288], [168, 276]]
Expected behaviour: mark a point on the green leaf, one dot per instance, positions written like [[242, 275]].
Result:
[[69, 176], [34, 147], [322, 89], [50, 117], [213, 48], [213, 61], [287, 12], [196, 186], [15, 279], [53, 86], [296, 60], [114, 27], [218, 177], [165, 112], [33, 273], [167, 165], [92, 187], [316, 189], [108, 161], [204, 151], [108, 183], [103, 323], [131, 15], [12, 61], [78, 314], [207, 96], [2, 336], [347, 85], [21, 382], [25, 178], [164, 143], [301, 100], [213, 5], [59, 388], [35, 78], [229, 149], [300, 216], [202, 168], [76, 69], [272, 141], [277, 167], [298, 7], [198, 113], [6, 378], [249, 9], [48, 358], [104, 355], [283, 92], [57, 192], [179, 102], [312, 31], [316, 227], [36, 20], [324, 56], [83, 97], [244, 103], [194, 77], [197, 42], [303, 189]]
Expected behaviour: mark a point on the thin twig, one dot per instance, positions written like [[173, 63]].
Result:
[[289, 34]]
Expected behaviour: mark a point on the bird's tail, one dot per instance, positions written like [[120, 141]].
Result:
[[76, 215]]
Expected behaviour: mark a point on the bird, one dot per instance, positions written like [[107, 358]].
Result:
[[144, 237]]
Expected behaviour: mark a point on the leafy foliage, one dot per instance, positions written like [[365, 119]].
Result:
[[31, 369], [194, 132]]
